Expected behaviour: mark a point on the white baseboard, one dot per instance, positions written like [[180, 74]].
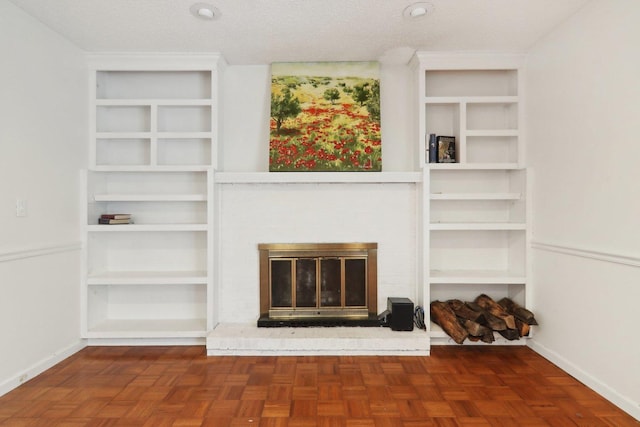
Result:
[[623, 402], [139, 342], [40, 367]]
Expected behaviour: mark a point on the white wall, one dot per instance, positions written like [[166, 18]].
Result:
[[583, 120], [291, 213], [43, 133], [246, 118]]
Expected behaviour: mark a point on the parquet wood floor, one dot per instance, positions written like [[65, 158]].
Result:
[[181, 386]]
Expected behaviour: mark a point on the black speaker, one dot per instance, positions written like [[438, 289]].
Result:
[[400, 317]]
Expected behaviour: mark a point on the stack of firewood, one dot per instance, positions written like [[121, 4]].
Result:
[[478, 320]]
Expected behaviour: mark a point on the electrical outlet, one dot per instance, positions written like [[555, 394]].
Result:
[[21, 207]]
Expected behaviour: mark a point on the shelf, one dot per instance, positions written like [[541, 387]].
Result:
[[475, 277], [114, 228], [149, 197], [454, 226], [471, 99], [316, 177], [154, 125], [474, 166], [475, 196], [149, 328], [475, 221], [440, 337], [150, 168], [123, 135], [435, 331], [148, 102], [156, 134], [148, 278], [492, 132]]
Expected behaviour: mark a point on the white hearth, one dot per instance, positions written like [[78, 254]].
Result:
[[249, 340]]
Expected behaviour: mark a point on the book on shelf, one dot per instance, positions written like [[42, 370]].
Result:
[[433, 148], [115, 216], [113, 221], [446, 149]]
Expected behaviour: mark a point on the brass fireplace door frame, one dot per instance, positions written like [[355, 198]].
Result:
[[269, 251]]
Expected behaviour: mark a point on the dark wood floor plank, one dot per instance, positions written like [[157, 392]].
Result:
[[181, 386]]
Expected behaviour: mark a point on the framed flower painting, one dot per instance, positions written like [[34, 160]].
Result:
[[325, 116]]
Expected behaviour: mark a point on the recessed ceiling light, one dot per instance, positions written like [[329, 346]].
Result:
[[204, 11], [417, 10]]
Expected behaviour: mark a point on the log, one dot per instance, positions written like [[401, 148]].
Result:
[[510, 334], [477, 331], [472, 320], [465, 312], [444, 316], [491, 321], [473, 328], [488, 337], [496, 309], [523, 328], [478, 320], [518, 311]]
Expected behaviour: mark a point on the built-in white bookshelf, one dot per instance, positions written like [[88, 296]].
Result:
[[154, 127], [474, 236], [154, 117]]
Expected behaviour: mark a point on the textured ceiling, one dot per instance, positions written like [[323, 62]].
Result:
[[265, 31]]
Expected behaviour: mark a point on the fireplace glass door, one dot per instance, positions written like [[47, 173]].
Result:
[[318, 286], [305, 281]]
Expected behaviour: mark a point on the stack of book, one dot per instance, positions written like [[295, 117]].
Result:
[[114, 219]]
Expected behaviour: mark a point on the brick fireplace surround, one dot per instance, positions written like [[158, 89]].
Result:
[[313, 212]]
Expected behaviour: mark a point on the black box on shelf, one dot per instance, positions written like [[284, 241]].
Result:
[[400, 317]]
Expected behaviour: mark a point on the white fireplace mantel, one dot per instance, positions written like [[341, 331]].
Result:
[[316, 177]]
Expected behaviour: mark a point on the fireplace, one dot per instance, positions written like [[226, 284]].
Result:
[[318, 284]]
